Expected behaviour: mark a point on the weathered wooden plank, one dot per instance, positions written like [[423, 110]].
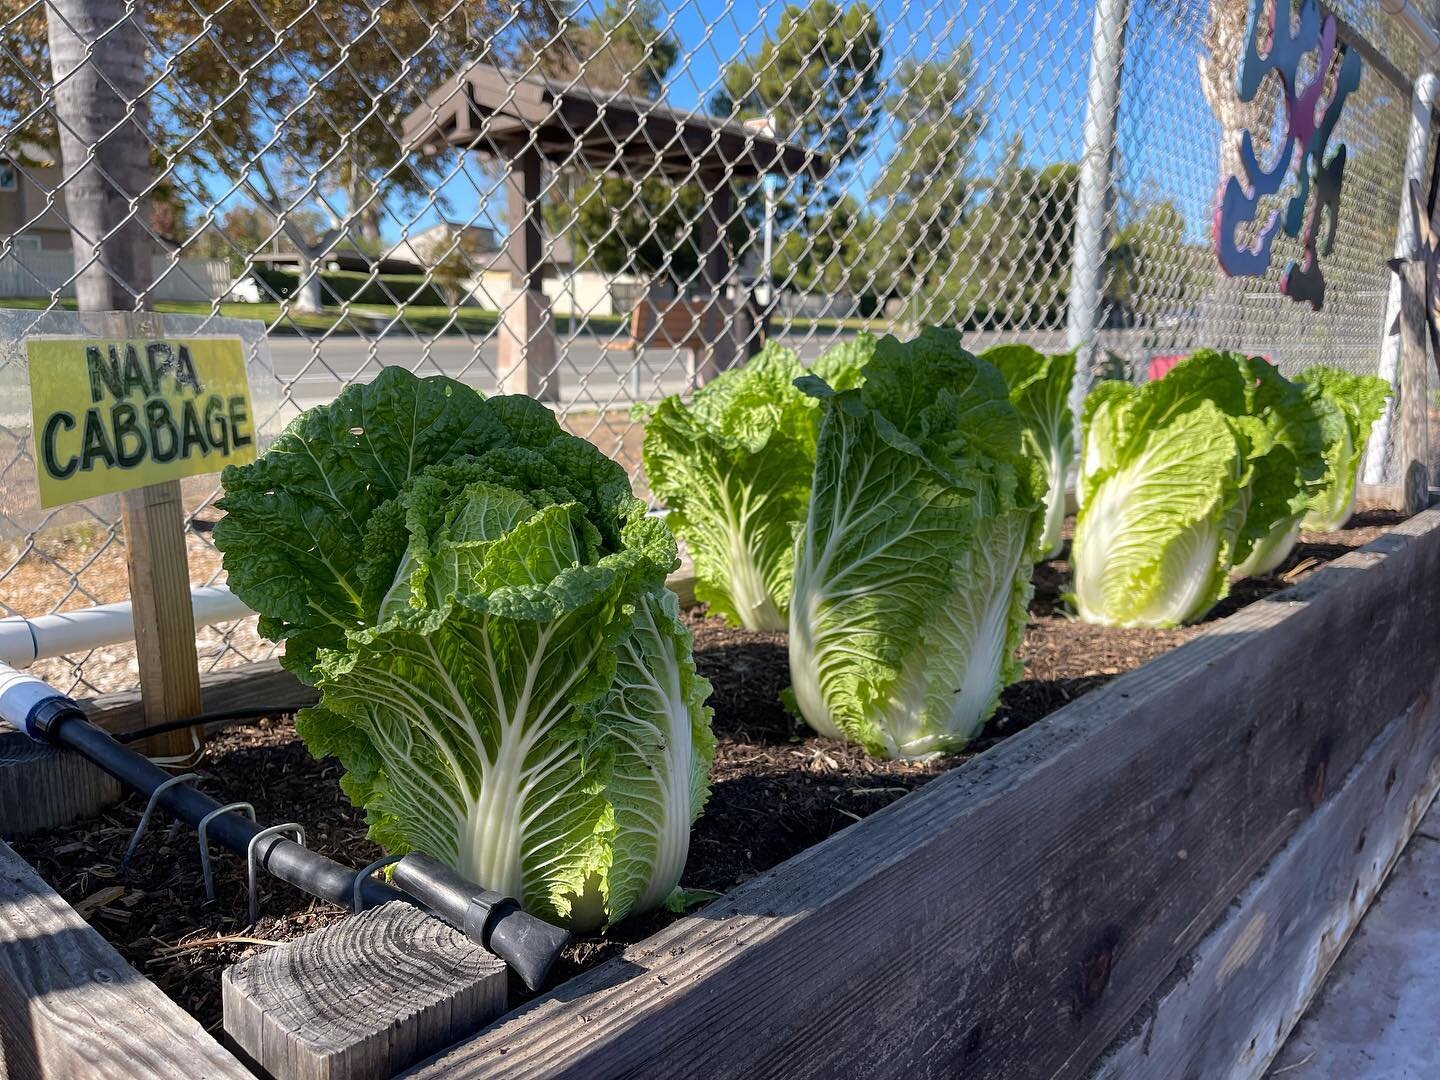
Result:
[[361, 998], [1238, 995], [71, 1007], [263, 683], [1009, 919], [154, 524], [45, 786]]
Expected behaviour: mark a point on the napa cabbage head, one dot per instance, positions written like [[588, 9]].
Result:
[[1185, 479], [1163, 472], [1351, 405], [733, 467], [481, 602], [1040, 391], [913, 567]]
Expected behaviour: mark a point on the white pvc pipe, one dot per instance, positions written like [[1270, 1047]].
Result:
[[23, 641], [1427, 88], [19, 694]]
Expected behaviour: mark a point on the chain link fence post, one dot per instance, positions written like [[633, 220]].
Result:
[[1093, 200]]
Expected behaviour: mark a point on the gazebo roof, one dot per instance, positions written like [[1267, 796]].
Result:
[[492, 112]]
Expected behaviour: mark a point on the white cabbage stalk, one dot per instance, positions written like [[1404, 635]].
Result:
[[1268, 554]]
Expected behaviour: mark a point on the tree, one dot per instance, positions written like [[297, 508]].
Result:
[[818, 79], [623, 47], [97, 50], [462, 258], [314, 109], [927, 185], [1007, 266], [1152, 270], [829, 254], [621, 224]]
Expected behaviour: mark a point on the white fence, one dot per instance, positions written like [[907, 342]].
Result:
[[43, 273]]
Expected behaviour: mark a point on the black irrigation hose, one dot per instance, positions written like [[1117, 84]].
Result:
[[528, 944], [224, 716]]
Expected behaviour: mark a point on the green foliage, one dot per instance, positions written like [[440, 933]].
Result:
[[621, 224], [1007, 265], [1185, 479], [734, 469], [825, 252], [622, 47], [481, 601], [1350, 406], [340, 286], [1152, 271], [927, 182], [818, 76], [1040, 391], [342, 76], [912, 570]]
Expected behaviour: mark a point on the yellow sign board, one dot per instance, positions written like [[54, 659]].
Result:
[[114, 415]]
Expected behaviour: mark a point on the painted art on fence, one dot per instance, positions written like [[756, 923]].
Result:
[[1303, 137]]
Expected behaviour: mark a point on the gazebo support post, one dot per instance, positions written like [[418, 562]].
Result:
[[527, 328], [719, 328]]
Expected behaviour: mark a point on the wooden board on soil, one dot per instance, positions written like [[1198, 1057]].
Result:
[[776, 790]]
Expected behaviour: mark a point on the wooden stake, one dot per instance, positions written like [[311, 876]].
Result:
[[154, 524], [153, 521]]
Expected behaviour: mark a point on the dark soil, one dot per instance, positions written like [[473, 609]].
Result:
[[776, 789]]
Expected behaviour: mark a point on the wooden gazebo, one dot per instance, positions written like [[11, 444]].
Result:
[[526, 122]]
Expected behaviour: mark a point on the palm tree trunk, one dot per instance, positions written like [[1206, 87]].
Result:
[[98, 105]]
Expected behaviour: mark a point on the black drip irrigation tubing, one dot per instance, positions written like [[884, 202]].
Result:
[[528, 944], [209, 719]]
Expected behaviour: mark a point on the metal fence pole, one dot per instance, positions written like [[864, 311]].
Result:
[[1427, 86], [1092, 210]]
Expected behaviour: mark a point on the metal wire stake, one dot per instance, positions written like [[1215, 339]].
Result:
[[357, 902], [145, 818], [273, 830], [244, 807]]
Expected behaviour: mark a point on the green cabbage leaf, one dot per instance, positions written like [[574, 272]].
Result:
[[1183, 480], [1040, 391], [502, 672], [1353, 404], [913, 567], [733, 468]]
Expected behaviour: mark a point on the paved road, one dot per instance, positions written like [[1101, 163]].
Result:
[[589, 375]]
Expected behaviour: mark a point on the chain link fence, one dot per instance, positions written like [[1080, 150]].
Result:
[[606, 203]]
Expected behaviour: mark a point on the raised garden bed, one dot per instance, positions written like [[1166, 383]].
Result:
[[778, 791]]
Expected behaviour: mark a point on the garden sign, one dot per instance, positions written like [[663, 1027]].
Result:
[[110, 416]]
